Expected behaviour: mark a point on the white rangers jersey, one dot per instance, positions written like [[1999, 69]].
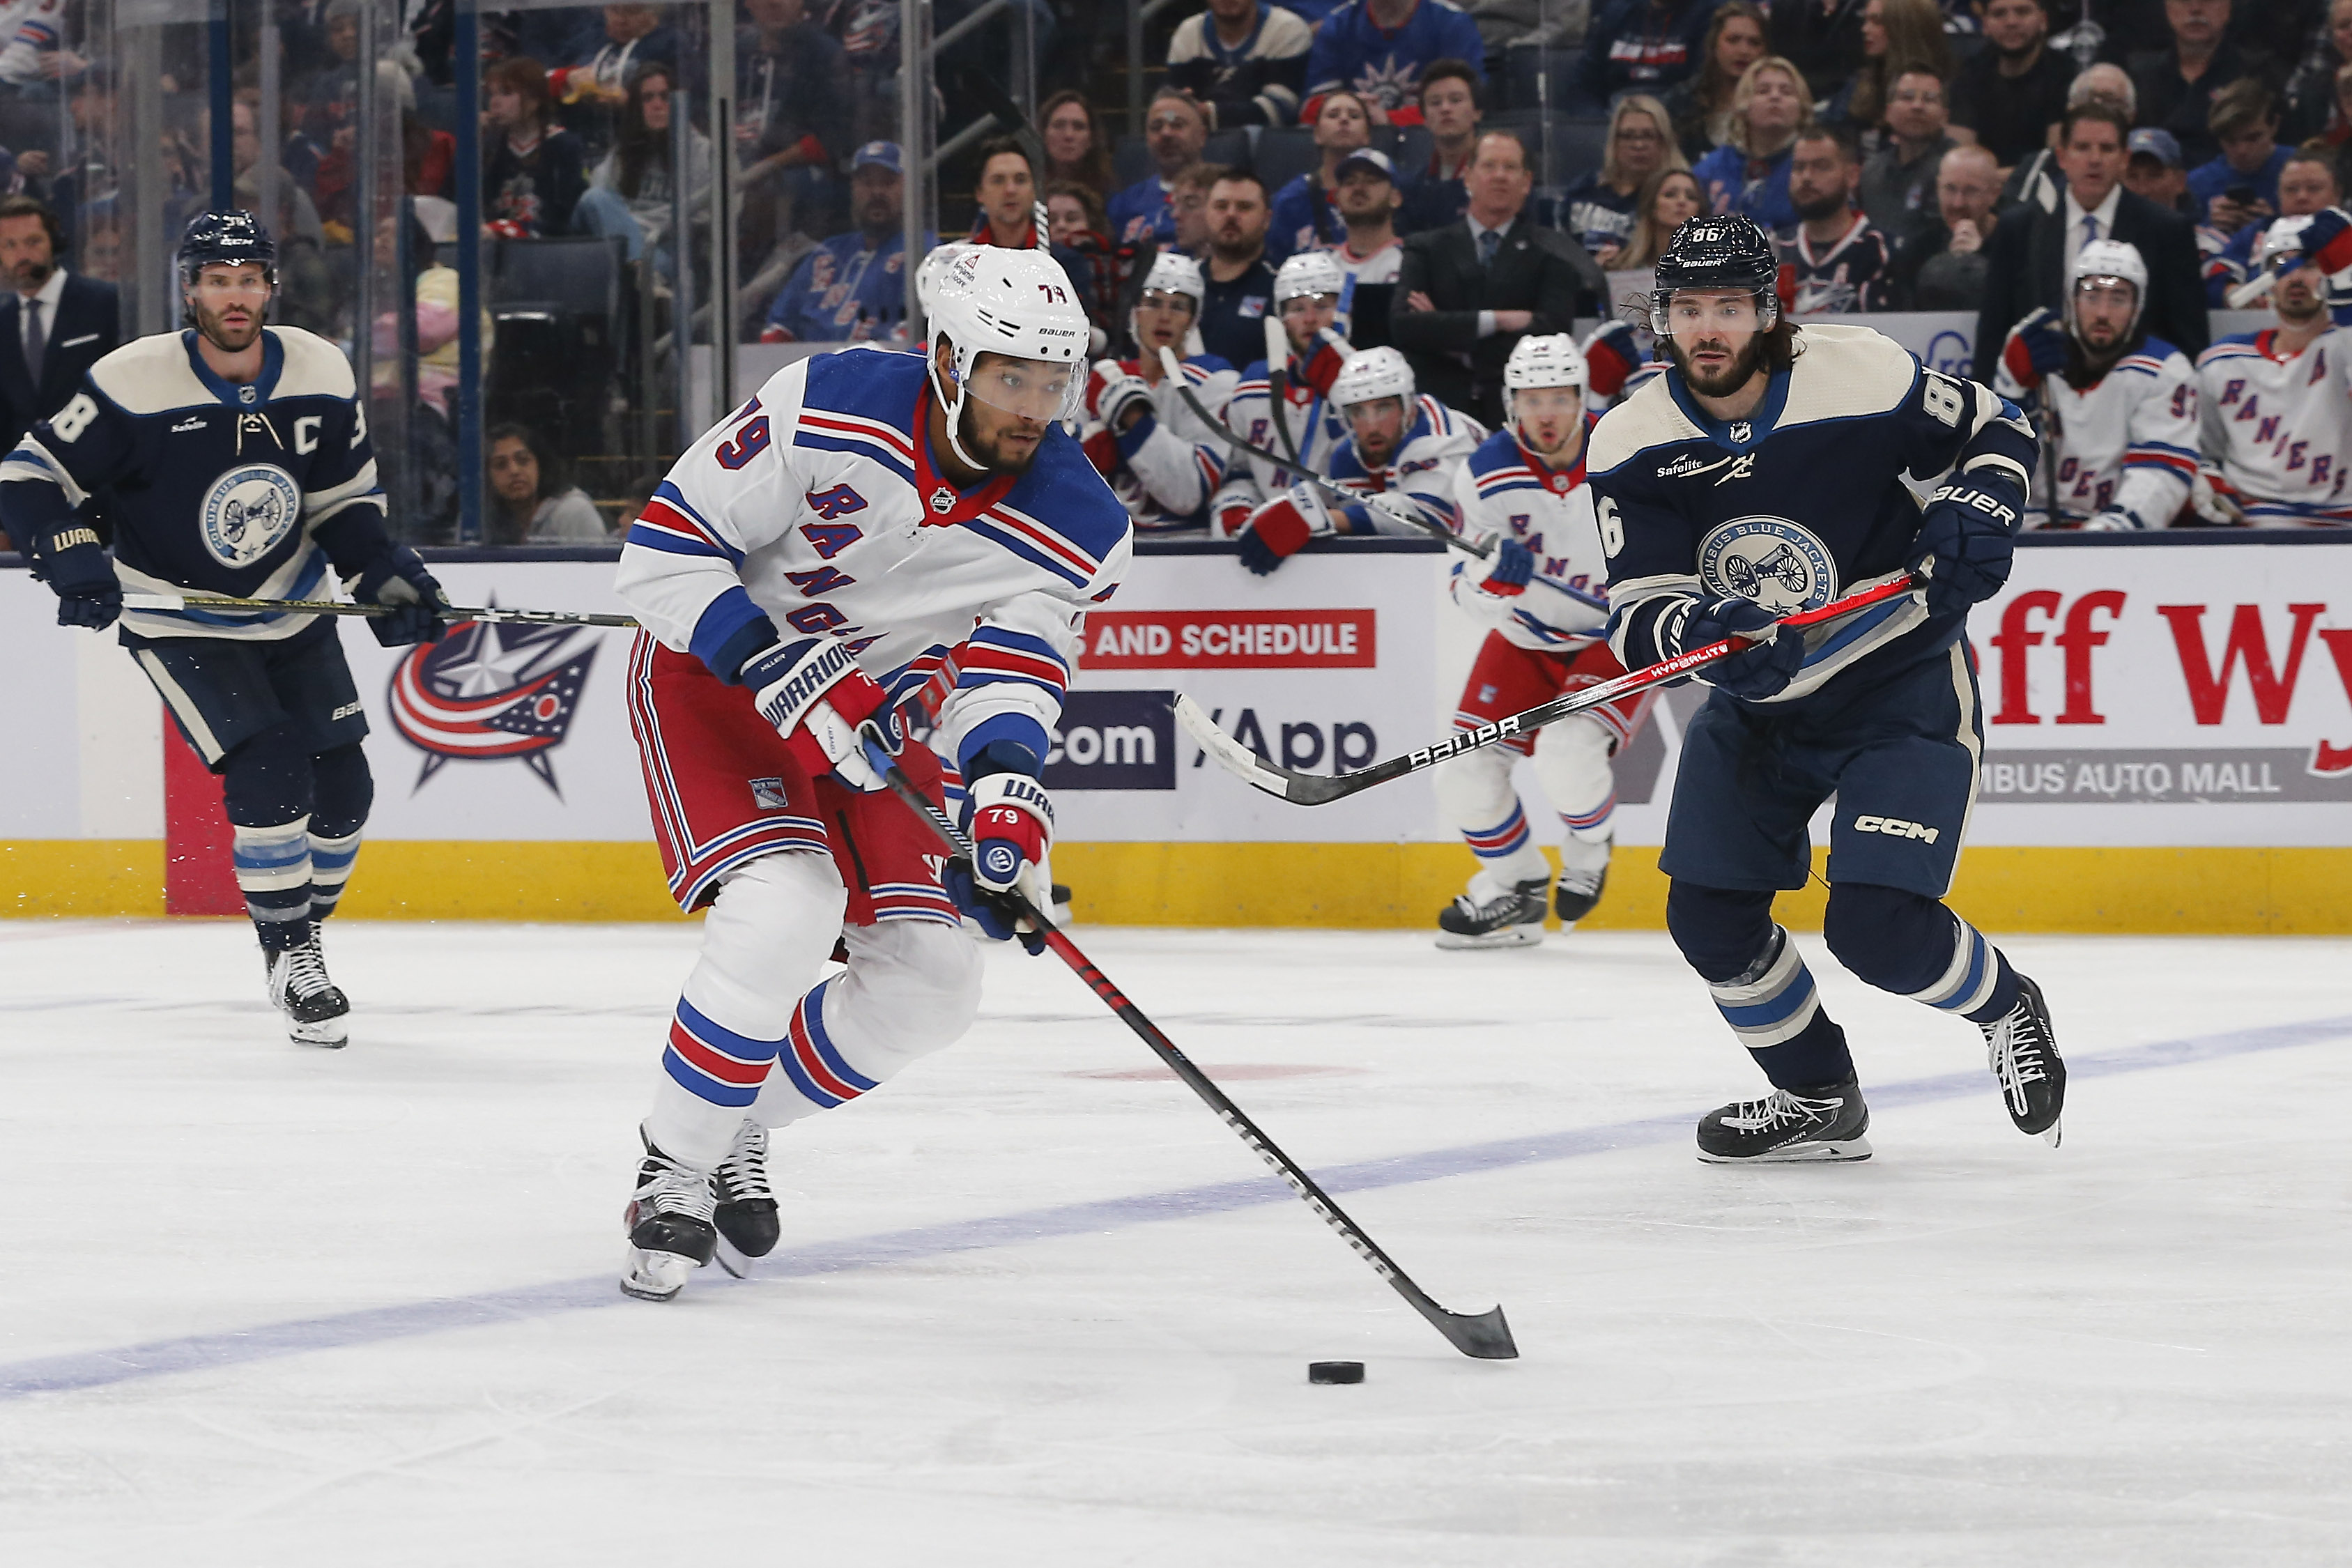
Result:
[[816, 506], [1436, 443], [2282, 427], [1306, 414], [1504, 491], [2128, 439], [1163, 467]]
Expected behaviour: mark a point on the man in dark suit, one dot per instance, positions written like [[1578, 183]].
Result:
[[53, 326], [1468, 291], [2034, 247]]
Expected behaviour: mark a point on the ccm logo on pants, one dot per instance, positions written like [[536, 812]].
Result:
[[1895, 828]]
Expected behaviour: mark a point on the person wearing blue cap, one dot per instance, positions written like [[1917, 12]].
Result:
[[1371, 255], [852, 287], [1304, 218]]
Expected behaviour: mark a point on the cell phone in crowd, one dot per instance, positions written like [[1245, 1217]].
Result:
[[2243, 194]]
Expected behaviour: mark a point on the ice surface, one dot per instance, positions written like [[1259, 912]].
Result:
[[266, 1305]]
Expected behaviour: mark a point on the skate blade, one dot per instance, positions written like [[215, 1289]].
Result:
[[1844, 1150], [2050, 1135], [656, 1275], [329, 1034], [737, 1262], [1509, 936]]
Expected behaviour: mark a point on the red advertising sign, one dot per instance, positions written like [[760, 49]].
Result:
[[1230, 639]]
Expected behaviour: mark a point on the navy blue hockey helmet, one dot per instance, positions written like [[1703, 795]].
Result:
[[234, 237], [1729, 252]]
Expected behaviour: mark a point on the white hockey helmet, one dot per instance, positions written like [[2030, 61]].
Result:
[[2113, 259], [1173, 272], [1309, 272], [1374, 373], [1550, 360], [1019, 304], [927, 272], [2283, 236]]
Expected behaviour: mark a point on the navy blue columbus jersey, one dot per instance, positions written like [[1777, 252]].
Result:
[[248, 491], [1800, 504]]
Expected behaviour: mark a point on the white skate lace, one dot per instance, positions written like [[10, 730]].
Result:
[[1509, 902], [668, 1187], [306, 971], [2014, 1046], [1776, 1110], [743, 1175]]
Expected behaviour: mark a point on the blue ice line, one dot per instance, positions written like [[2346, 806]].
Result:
[[193, 1352]]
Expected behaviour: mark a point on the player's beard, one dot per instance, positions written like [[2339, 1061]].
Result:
[[2298, 304], [991, 450], [1744, 366], [209, 326]]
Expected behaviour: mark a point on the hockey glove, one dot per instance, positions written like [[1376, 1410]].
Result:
[[1281, 528], [2216, 499], [1321, 367], [1515, 563], [1969, 535], [1123, 396], [1611, 354], [813, 693], [81, 574], [2114, 519], [397, 577], [1009, 819], [2327, 244], [1760, 670], [1393, 512], [2036, 348]]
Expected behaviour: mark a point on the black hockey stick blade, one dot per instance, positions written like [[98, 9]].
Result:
[[1484, 1336], [1174, 369], [1322, 789], [450, 613]]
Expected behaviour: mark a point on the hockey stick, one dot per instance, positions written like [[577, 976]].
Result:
[[2251, 290], [1278, 380], [1485, 1335], [1173, 368], [1312, 789], [451, 613]]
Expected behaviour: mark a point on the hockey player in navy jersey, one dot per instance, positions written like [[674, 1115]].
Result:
[[1400, 454], [1764, 474], [873, 530], [232, 459], [1542, 598], [1161, 461]]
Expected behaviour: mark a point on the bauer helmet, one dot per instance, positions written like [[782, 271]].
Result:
[[1552, 359], [1019, 304], [1173, 272], [1309, 272], [233, 238], [2114, 259], [927, 272], [1371, 374], [1726, 254]]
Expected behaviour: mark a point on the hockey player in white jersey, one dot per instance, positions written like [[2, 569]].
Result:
[[232, 459], [1162, 463], [2119, 407], [2278, 403], [1543, 597], [1285, 405], [1400, 454], [873, 529]]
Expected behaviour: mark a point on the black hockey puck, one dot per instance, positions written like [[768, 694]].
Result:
[[1335, 1372]]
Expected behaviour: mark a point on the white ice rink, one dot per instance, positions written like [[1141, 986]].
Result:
[[263, 1305]]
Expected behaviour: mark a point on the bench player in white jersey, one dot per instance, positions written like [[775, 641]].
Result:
[[1400, 454], [1544, 600], [232, 459], [2278, 403], [1300, 420], [2120, 407], [873, 528], [1162, 463]]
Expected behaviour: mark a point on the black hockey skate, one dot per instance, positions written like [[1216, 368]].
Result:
[[313, 1005], [746, 1214], [2023, 1053], [670, 1229], [1579, 887], [1512, 918], [1824, 1123]]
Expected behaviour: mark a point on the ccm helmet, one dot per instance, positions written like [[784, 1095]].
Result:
[[1552, 359], [2110, 258], [1017, 304], [1731, 253], [231, 237]]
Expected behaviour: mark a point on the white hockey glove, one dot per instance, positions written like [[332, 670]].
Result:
[[1393, 511], [2213, 498], [1009, 819], [1123, 393], [2114, 519], [832, 715]]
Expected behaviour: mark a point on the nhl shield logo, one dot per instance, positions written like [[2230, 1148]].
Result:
[[1742, 431], [492, 693], [1778, 564], [943, 501], [248, 511]]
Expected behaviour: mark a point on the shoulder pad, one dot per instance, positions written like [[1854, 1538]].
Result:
[[1845, 371], [314, 368], [151, 376], [1647, 418]]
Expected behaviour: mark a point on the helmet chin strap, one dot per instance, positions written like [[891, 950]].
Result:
[[954, 406]]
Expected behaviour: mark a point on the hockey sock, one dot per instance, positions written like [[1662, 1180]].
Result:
[[330, 868], [1508, 849], [273, 871], [913, 987], [344, 790], [1759, 983], [1572, 758], [1912, 945], [1474, 793]]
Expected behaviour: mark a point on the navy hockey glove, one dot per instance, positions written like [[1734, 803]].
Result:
[[1969, 535], [1755, 672], [398, 578], [82, 575], [1515, 563]]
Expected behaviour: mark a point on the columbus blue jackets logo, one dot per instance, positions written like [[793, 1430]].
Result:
[[491, 693], [248, 511], [1770, 560]]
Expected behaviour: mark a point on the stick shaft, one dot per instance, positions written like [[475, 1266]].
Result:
[[343, 607]]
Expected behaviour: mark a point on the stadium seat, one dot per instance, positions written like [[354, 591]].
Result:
[[557, 306], [1131, 157]]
